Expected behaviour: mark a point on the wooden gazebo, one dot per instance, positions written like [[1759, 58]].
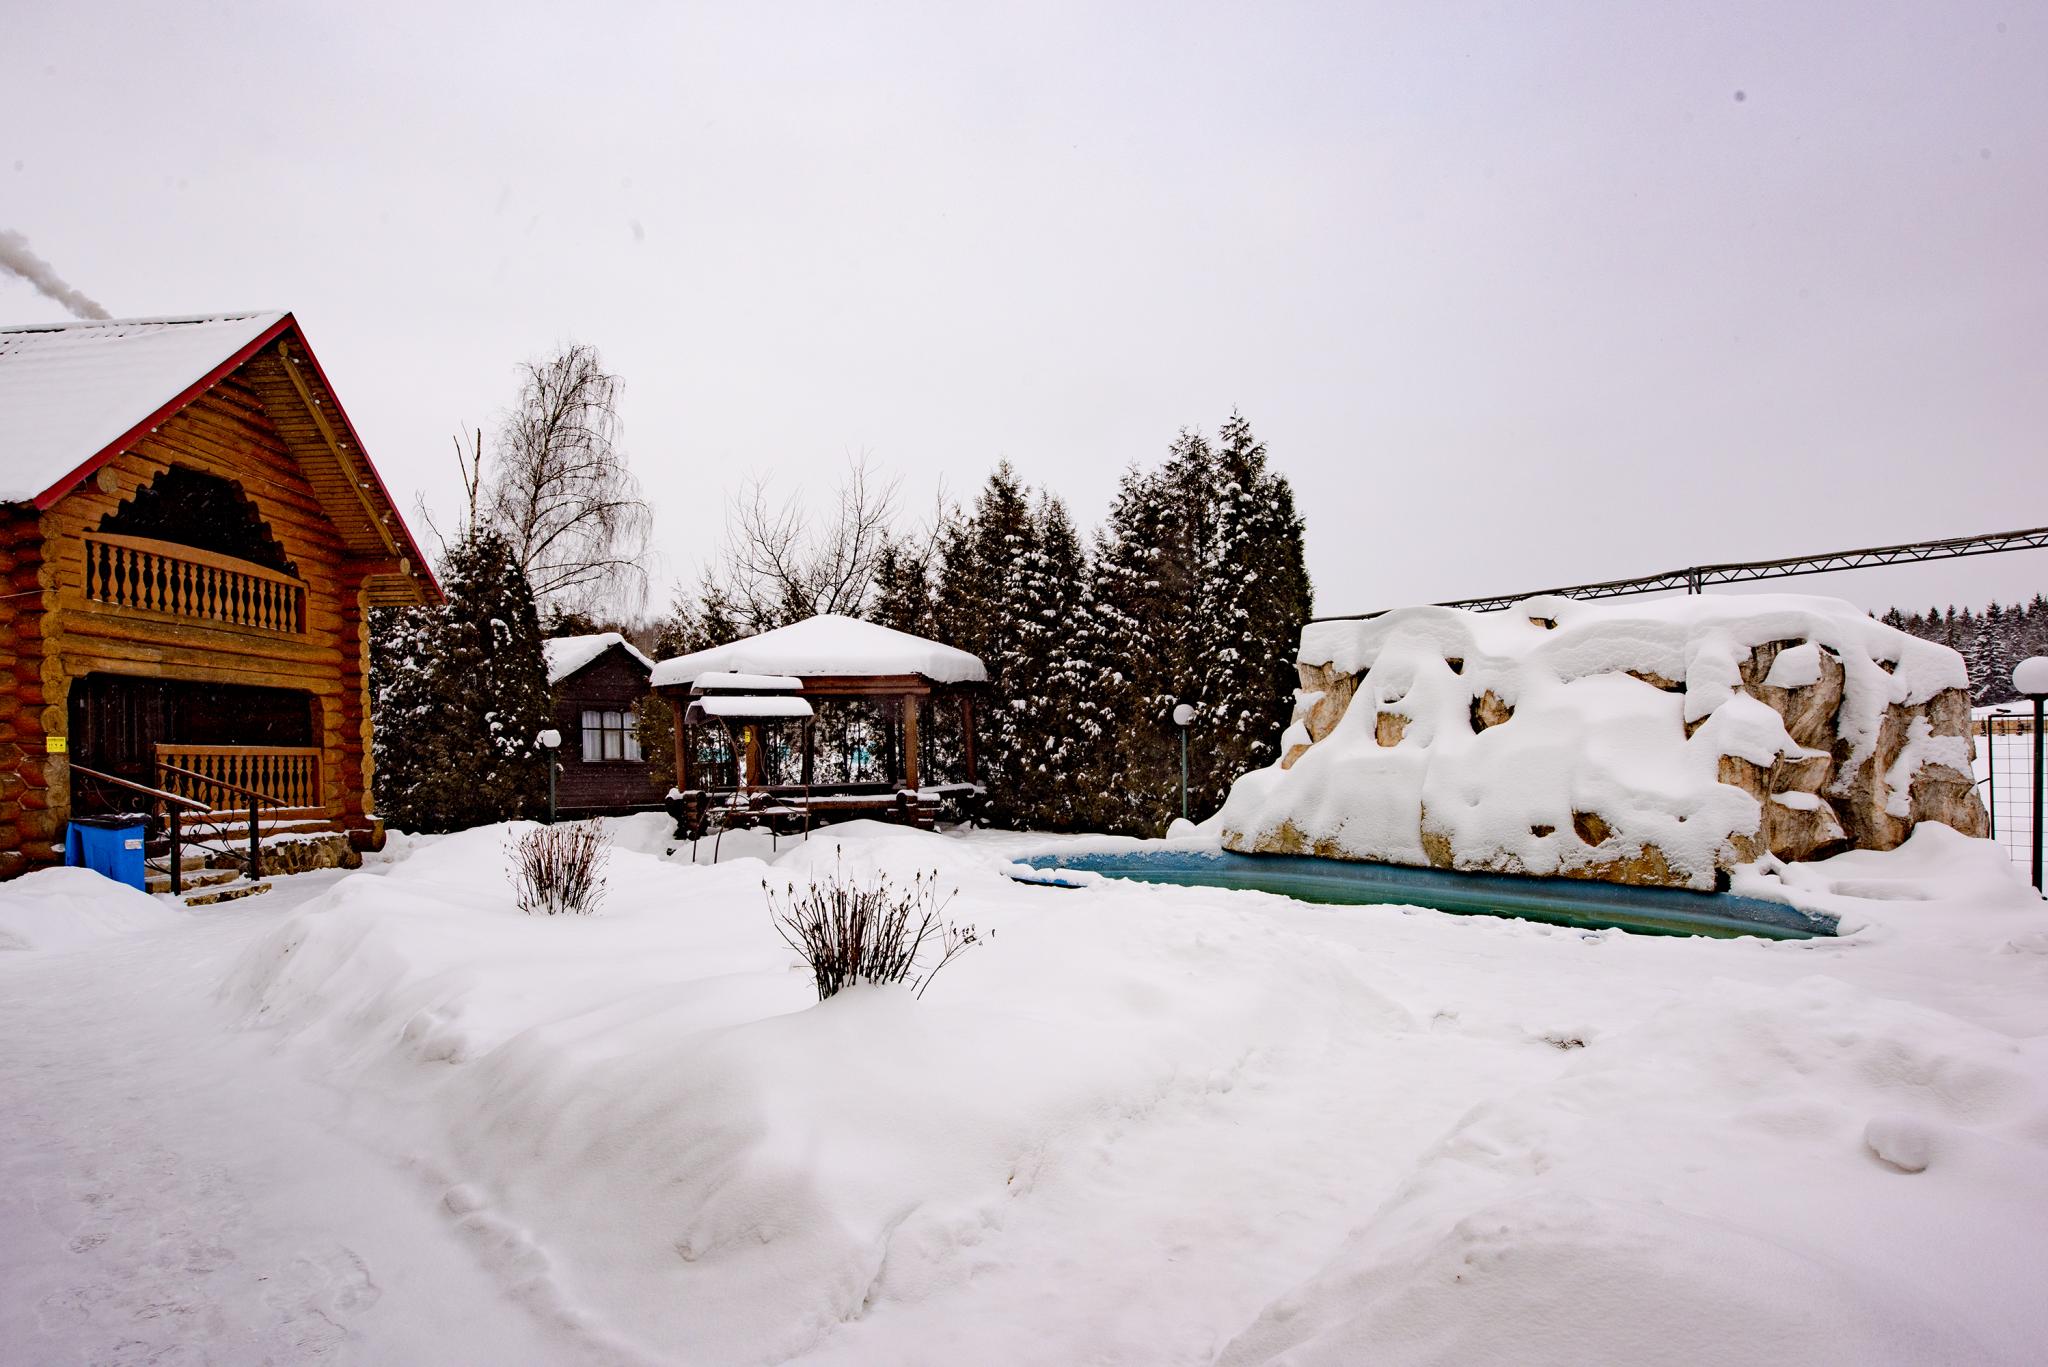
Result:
[[829, 717]]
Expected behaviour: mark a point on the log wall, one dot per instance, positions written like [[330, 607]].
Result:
[[27, 825]]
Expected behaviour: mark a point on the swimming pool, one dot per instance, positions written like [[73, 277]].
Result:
[[1556, 901]]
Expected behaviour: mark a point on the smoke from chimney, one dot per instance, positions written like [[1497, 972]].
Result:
[[17, 259]]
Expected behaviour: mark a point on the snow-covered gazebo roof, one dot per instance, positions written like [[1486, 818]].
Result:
[[567, 654], [829, 646]]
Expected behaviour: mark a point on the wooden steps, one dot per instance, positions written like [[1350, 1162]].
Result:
[[195, 876], [233, 890], [212, 862]]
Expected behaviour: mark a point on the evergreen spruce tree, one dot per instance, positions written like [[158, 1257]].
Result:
[[1990, 643], [1125, 661], [405, 688], [2033, 635], [903, 597], [697, 623], [1962, 638], [1041, 695], [462, 692], [1992, 658], [1253, 600], [1198, 593], [984, 606]]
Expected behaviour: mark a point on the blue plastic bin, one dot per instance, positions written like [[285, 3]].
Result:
[[109, 845]]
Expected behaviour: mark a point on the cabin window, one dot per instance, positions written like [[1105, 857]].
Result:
[[610, 735]]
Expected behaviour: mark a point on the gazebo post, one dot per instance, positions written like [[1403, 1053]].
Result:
[[810, 749], [967, 732], [752, 733], [910, 741], [683, 746]]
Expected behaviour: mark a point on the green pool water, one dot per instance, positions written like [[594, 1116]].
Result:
[[1555, 901]]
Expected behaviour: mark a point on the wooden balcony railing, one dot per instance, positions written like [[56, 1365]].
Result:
[[288, 776], [182, 581]]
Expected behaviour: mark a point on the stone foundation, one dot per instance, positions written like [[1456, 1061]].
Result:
[[299, 854]]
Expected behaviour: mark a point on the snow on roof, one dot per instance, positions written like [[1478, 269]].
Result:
[[748, 683], [567, 654], [738, 705], [69, 390], [828, 646]]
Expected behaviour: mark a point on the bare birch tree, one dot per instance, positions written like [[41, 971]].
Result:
[[561, 493], [780, 565]]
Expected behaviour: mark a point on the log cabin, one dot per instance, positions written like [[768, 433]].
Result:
[[191, 540]]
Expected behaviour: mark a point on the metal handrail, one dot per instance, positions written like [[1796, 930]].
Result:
[[173, 802], [253, 860], [253, 866], [156, 793]]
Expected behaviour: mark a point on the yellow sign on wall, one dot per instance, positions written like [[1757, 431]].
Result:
[[55, 745]]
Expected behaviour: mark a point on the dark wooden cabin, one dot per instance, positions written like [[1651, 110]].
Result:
[[599, 682], [191, 538]]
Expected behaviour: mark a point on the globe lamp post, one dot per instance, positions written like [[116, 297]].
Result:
[[550, 741], [1183, 717], [2030, 678]]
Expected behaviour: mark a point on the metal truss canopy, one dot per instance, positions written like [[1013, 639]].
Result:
[[1699, 576]]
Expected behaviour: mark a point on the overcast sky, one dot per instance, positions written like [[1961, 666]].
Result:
[[1518, 295]]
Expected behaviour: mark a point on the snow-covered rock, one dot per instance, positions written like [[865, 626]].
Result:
[[1656, 742]]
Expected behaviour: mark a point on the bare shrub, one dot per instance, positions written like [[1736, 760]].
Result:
[[868, 932], [559, 870]]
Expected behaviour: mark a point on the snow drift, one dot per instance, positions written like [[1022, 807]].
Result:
[[1655, 742], [1149, 1124], [68, 908], [690, 1138]]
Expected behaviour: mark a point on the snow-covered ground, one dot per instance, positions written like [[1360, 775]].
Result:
[[383, 1117]]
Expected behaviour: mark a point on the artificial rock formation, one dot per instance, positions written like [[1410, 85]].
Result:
[[1655, 743]]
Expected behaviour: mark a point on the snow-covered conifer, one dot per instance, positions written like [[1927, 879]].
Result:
[[903, 594], [1252, 600], [1127, 657], [984, 605], [1040, 688], [462, 695]]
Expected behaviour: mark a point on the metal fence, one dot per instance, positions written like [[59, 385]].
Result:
[[2005, 775]]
